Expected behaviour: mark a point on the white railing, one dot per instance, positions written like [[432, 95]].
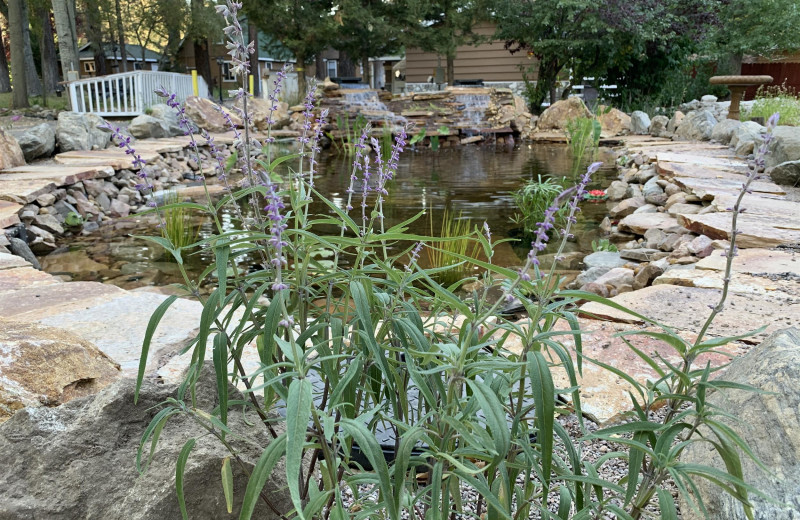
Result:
[[129, 93]]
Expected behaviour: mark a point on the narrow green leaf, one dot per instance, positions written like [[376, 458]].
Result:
[[666, 504], [544, 400], [298, 413], [152, 324], [179, 468], [221, 371], [227, 483], [261, 472]]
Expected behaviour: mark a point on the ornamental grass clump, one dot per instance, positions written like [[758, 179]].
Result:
[[372, 343]]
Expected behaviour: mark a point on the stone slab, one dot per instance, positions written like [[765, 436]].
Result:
[[671, 169], [707, 189], [756, 261], [114, 157], [686, 309], [25, 191], [755, 230], [23, 277], [640, 222], [33, 303], [61, 175], [9, 261], [740, 283], [9, 213], [724, 163]]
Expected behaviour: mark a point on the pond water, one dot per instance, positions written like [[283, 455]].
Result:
[[477, 182]]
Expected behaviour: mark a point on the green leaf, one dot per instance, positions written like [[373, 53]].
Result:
[[227, 483], [369, 446], [155, 319], [261, 472], [222, 253], [179, 468], [544, 401], [495, 416], [221, 371], [666, 504], [166, 244], [298, 413]]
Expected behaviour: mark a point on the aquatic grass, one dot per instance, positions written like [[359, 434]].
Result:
[[384, 351], [533, 199], [178, 227], [444, 255]]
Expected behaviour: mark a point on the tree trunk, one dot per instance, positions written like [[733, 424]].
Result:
[[5, 79], [31, 76], [367, 71], [319, 65], [451, 69], [48, 49], [252, 35], [64, 15], [121, 34], [545, 83], [94, 33], [347, 69], [15, 31], [202, 62], [302, 85]]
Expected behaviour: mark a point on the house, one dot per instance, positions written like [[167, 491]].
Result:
[[489, 61], [136, 60], [328, 65], [784, 69]]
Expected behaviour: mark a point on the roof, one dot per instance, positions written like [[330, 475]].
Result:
[[134, 52]]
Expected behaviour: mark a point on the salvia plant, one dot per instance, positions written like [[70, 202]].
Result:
[[369, 343]]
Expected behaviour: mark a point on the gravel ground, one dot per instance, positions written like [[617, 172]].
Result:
[[612, 470]]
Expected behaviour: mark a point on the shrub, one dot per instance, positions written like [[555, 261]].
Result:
[[776, 98], [466, 411]]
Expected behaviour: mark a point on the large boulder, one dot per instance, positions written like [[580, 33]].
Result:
[[207, 114], [658, 126], [614, 122], [167, 116], [785, 145], [675, 121], [11, 154], [145, 127], [769, 421], [76, 131], [38, 141], [787, 173], [696, 126], [78, 460], [744, 138], [640, 123], [46, 366], [723, 131], [259, 110], [562, 112]]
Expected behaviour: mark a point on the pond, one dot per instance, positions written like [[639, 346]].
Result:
[[475, 182]]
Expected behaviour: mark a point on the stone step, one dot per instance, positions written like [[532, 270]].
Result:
[[757, 261], [25, 191], [9, 213], [686, 309], [9, 261], [114, 157], [111, 318], [61, 175], [754, 230], [708, 189], [14, 278], [724, 163], [740, 283]]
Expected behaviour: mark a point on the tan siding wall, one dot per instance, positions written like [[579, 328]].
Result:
[[488, 61]]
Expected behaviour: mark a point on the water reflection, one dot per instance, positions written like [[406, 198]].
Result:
[[477, 182]]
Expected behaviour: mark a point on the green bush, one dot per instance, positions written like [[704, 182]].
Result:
[[778, 98]]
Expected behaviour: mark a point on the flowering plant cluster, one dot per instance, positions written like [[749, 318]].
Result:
[[596, 195], [367, 346]]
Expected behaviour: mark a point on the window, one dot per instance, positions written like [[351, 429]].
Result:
[[138, 65], [330, 68], [88, 67], [227, 74]]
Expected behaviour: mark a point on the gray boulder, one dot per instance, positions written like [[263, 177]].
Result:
[[38, 141], [723, 131], [787, 173], [78, 460], [145, 127], [675, 121], [785, 145], [640, 123], [76, 131], [20, 248], [603, 259], [658, 126], [767, 422], [744, 138], [168, 116], [697, 126]]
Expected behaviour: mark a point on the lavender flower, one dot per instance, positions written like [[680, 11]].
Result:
[[124, 141], [412, 260]]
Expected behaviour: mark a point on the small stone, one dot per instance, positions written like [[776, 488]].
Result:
[[617, 190], [684, 209], [50, 223]]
